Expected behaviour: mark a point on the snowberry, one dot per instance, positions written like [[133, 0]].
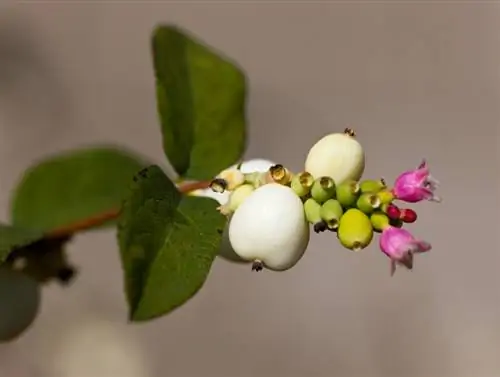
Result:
[[269, 228], [339, 156], [251, 166]]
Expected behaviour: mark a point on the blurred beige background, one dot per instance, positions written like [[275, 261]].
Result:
[[414, 79]]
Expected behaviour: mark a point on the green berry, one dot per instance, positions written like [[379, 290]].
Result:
[[323, 189], [312, 210], [379, 221], [368, 203], [386, 197], [331, 212], [348, 193], [372, 185], [355, 231], [239, 195], [302, 184]]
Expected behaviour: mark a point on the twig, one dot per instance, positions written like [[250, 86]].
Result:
[[102, 218]]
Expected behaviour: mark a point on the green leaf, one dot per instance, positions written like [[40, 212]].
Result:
[[12, 237], [168, 243], [73, 186], [201, 99]]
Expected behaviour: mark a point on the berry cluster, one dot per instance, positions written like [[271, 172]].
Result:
[[270, 209]]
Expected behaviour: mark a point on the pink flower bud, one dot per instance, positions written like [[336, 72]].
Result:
[[400, 246], [416, 185], [408, 215]]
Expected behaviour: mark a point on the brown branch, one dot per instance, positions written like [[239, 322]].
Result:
[[102, 218]]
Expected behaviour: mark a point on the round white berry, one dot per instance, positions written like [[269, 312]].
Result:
[[339, 156], [270, 228]]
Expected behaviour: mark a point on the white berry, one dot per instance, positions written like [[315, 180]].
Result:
[[339, 156], [251, 166], [19, 303], [270, 228], [257, 165]]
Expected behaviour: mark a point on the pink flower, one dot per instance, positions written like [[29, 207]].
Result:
[[400, 246], [415, 185]]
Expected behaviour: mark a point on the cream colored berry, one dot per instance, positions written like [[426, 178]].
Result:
[[269, 228], [251, 166], [339, 156]]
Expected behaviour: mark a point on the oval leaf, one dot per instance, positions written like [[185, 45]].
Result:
[[201, 99], [13, 238], [72, 186], [168, 243]]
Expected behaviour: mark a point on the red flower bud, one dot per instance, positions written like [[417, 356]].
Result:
[[393, 212], [408, 215]]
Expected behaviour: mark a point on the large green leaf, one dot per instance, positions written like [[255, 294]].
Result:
[[72, 186], [201, 99], [12, 238], [168, 243]]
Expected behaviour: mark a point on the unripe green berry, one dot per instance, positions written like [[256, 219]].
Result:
[[368, 203], [302, 183], [355, 231], [256, 179], [347, 193], [380, 221], [386, 197], [238, 196], [312, 210], [372, 185], [331, 212], [323, 189]]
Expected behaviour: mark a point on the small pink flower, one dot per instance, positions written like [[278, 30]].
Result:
[[416, 185], [400, 246]]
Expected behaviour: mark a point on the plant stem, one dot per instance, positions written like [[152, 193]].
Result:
[[104, 217]]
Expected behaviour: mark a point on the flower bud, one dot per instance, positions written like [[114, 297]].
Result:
[[312, 209], [302, 183], [368, 203], [348, 193], [379, 221], [372, 185], [331, 212], [408, 215], [323, 189], [355, 231], [339, 156], [392, 211]]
